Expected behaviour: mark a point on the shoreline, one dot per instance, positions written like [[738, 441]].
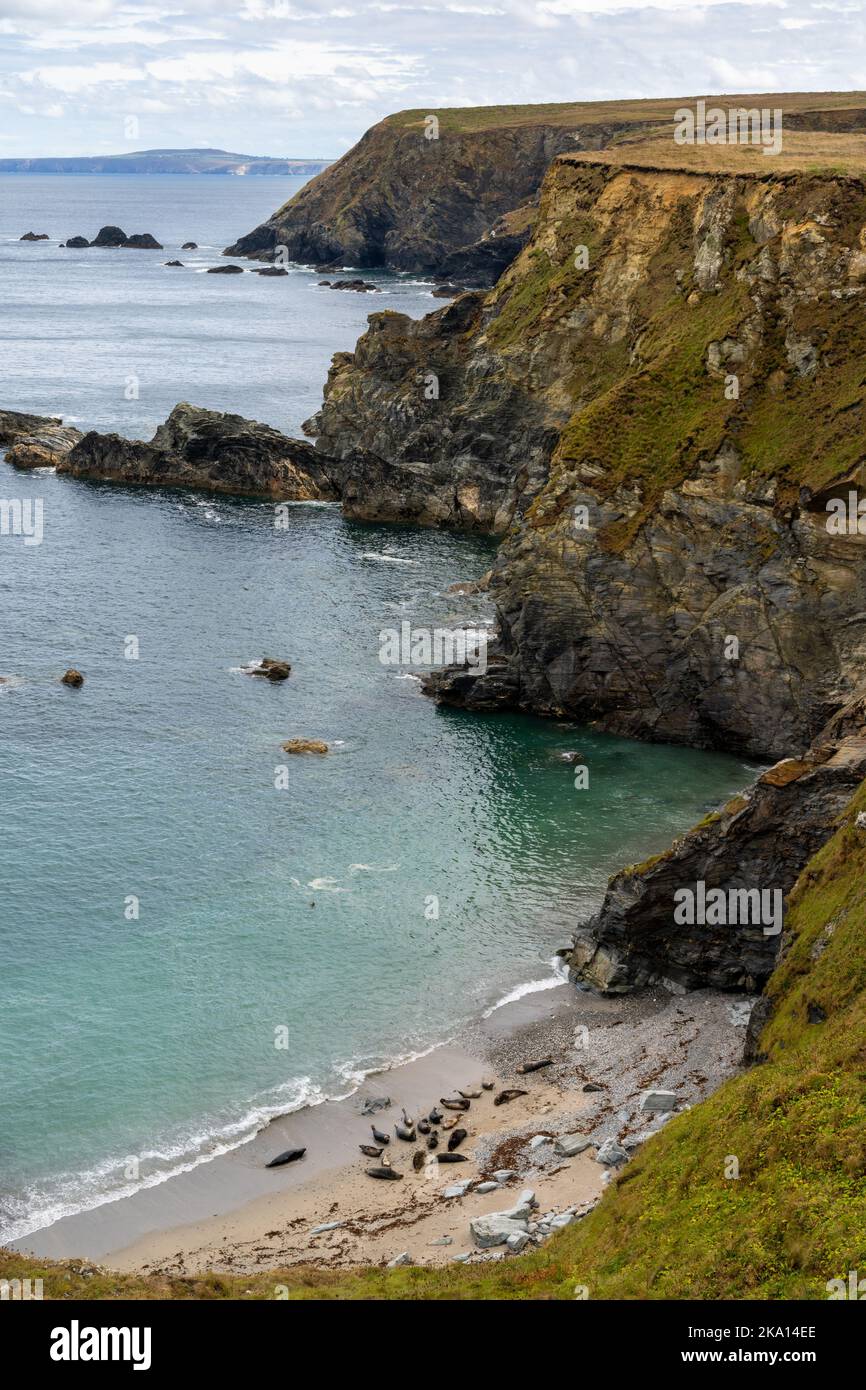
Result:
[[232, 1213]]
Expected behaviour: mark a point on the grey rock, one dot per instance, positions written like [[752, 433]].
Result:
[[611, 1154], [505, 1174], [403, 1259], [659, 1100], [442, 1240], [569, 1145], [328, 1226], [458, 1189], [485, 1187], [495, 1229], [517, 1241]]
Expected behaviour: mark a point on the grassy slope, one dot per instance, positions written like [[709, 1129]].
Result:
[[674, 1226]]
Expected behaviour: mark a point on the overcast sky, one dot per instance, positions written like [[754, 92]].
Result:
[[307, 77]]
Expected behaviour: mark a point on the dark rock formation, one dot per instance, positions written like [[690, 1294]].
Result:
[[114, 238], [360, 286], [15, 425], [34, 236], [76, 243], [226, 270], [209, 450], [270, 270], [425, 433], [760, 840], [142, 241], [189, 246], [271, 669], [304, 745], [173, 263]]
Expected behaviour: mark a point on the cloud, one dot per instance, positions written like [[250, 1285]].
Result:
[[308, 76]]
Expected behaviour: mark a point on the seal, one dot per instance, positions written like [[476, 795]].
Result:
[[505, 1096], [406, 1120], [435, 1116], [433, 1141], [456, 1139], [469, 1095], [370, 1151], [456, 1103], [289, 1156], [423, 1126], [418, 1160], [384, 1173], [452, 1158], [379, 1136], [408, 1135], [450, 1122], [488, 1083], [526, 1067]]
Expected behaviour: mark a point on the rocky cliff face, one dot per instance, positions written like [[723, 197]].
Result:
[[209, 450], [457, 206], [692, 344]]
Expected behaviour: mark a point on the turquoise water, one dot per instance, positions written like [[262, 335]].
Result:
[[299, 913]]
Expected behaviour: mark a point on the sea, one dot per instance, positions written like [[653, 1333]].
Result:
[[198, 932]]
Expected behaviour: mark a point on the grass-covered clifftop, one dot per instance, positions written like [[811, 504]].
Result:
[[435, 191], [675, 1226]]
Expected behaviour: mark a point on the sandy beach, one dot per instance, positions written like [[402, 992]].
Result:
[[235, 1214]]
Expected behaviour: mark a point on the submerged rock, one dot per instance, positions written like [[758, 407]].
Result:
[[72, 677], [271, 669]]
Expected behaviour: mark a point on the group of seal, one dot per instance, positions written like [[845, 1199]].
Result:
[[428, 1127]]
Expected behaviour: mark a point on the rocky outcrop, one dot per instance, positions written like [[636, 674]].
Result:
[[429, 431], [760, 841], [208, 450], [16, 424], [44, 448], [115, 237]]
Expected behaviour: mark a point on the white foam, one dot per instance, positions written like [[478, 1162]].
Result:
[[391, 559], [531, 987]]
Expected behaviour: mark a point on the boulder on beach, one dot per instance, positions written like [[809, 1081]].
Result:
[[34, 236], [304, 745], [72, 677], [226, 270]]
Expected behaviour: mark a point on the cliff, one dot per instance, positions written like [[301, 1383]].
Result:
[[460, 205]]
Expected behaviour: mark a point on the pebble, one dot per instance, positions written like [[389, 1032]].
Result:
[[458, 1189], [328, 1226], [489, 1187], [537, 1140], [505, 1174]]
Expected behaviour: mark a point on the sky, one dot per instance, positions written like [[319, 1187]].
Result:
[[306, 78]]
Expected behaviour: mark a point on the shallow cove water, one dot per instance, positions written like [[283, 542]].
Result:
[[302, 915]]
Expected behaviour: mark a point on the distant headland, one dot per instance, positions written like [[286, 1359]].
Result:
[[195, 161]]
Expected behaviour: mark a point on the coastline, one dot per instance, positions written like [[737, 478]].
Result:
[[233, 1213]]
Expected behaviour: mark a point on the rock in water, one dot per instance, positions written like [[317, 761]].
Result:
[[226, 270], [72, 677], [271, 669], [304, 745], [77, 243], [206, 449], [109, 236], [45, 448], [189, 246], [34, 236]]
